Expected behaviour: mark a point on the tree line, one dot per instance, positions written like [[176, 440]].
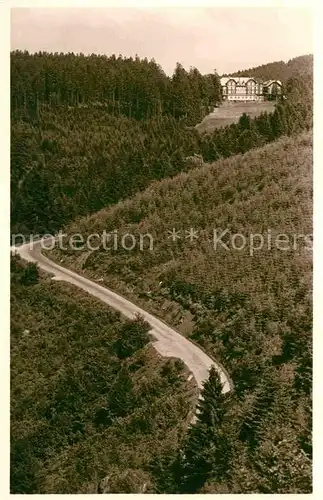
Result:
[[280, 70], [67, 163], [131, 87]]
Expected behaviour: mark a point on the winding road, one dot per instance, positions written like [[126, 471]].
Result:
[[168, 342]]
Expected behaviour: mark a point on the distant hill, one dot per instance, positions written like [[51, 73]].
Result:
[[280, 70], [252, 311]]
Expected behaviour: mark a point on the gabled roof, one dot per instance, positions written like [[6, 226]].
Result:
[[242, 80], [239, 80], [269, 82]]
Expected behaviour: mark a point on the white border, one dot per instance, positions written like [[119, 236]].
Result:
[[5, 7]]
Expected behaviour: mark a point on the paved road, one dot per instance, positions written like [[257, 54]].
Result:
[[168, 343]]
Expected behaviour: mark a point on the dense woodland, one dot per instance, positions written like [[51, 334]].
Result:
[[132, 87], [90, 398], [280, 70], [92, 133], [250, 312], [70, 160]]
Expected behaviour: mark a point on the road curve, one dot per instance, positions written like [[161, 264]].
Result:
[[168, 343]]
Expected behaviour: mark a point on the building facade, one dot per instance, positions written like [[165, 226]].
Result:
[[246, 88]]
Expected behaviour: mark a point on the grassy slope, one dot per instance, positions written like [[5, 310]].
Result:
[[64, 371], [229, 113], [253, 313]]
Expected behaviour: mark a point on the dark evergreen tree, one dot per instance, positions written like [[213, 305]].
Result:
[[29, 274], [207, 453]]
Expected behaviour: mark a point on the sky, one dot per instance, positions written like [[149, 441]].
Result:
[[209, 38]]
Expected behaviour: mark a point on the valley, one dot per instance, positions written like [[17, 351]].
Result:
[[182, 365]]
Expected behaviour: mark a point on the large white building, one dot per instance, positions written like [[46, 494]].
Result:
[[246, 88]]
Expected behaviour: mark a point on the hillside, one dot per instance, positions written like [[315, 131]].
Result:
[[67, 163], [87, 131], [90, 398], [249, 308], [229, 113], [226, 114], [281, 70]]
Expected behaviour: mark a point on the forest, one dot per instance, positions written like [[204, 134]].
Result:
[[105, 143], [135, 88], [253, 313], [71, 157], [280, 70], [89, 394]]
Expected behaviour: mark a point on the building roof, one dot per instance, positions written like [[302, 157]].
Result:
[[242, 80], [269, 82]]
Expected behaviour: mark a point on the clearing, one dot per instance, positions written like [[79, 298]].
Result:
[[229, 113]]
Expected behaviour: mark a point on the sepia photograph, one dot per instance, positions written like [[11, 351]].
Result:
[[161, 234]]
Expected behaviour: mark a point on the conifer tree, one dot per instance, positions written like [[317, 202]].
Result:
[[207, 453]]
